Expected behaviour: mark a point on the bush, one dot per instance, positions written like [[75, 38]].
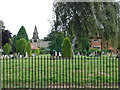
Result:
[[43, 50], [85, 52], [21, 46], [7, 49], [66, 48], [37, 51]]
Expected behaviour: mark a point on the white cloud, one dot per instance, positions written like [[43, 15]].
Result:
[[28, 13]]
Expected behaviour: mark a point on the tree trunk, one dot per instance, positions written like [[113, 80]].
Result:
[[73, 44]]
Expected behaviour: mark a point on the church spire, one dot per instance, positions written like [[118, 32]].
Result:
[[35, 37]]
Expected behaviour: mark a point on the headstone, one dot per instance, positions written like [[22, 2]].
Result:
[[20, 56], [56, 53], [60, 54], [78, 54]]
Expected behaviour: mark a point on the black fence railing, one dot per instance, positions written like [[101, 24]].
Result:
[[59, 72]]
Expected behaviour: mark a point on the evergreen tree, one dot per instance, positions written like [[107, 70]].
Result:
[[21, 46], [7, 49], [22, 34], [66, 48]]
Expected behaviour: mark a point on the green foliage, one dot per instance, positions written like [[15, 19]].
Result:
[[21, 46], [22, 34], [84, 20], [66, 48], [6, 36], [57, 40], [85, 52], [44, 50], [7, 49], [14, 41], [37, 51], [85, 44], [93, 50], [28, 49]]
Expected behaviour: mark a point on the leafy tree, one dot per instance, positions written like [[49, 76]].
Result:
[[107, 18], [22, 34], [86, 19], [66, 48], [57, 40], [21, 46], [6, 36], [28, 49], [85, 44], [7, 48]]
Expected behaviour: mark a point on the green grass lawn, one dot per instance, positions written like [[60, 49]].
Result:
[[89, 72]]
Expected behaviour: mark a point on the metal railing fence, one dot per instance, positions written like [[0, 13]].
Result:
[[59, 72]]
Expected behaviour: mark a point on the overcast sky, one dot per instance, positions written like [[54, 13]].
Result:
[[15, 13]]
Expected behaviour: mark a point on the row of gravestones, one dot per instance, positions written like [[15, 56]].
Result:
[[10, 56], [54, 53]]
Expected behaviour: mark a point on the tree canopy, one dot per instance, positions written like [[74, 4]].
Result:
[[22, 34], [87, 19], [57, 40]]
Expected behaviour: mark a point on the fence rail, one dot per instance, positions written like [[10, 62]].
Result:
[[59, 72]]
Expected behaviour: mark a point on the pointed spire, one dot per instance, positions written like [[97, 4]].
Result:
[[35, 34], [35, 30]]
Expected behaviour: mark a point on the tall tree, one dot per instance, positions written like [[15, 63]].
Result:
[[22, 34], [86, 19], [56, 38], [107, 18]]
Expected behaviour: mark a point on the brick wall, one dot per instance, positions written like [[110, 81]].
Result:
[[97, 44]]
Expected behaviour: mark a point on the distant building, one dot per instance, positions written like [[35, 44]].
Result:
[[35, 37], [97, 43], [36, 43]]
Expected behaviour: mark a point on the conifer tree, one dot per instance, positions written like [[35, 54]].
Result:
[[66, 48], [22, 34]]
